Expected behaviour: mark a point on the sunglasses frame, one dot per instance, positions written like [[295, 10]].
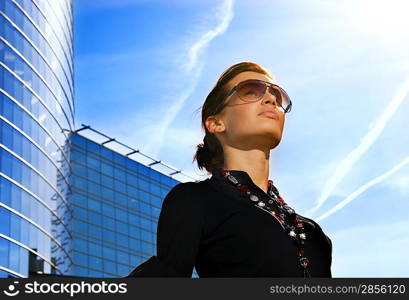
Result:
[[267, 84]]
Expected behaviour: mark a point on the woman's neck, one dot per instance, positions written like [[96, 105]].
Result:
[[255, 162]]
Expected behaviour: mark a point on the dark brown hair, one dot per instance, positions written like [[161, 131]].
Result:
[[209, 154]]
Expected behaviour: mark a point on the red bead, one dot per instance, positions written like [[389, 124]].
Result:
[[243, 189], [304, 261], [281, 200], [301, 253]]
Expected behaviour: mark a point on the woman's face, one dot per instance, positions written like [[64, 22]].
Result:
[[243, 124]]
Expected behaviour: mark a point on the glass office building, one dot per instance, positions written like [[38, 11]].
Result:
[[116, 202], [69, 205], [36, 111]]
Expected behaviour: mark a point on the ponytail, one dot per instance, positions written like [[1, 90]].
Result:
[[209, 154]]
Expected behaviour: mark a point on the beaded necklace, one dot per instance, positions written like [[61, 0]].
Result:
[[295, 231]]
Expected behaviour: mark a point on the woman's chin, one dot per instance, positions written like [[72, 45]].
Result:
[[271, 140]]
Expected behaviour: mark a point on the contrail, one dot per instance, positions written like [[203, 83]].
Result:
[[362, 189], [225, 13], [366, 142]]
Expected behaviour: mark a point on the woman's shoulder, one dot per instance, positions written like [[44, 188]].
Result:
[[317, 227], [188, 187], [187, 193]]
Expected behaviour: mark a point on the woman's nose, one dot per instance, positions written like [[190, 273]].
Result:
[[270, 98]]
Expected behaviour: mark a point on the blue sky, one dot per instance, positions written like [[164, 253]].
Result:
[[143, 67]]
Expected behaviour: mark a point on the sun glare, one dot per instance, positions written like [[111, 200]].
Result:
[[387, 20]]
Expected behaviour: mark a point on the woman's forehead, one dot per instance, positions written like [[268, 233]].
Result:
[[248, 75]]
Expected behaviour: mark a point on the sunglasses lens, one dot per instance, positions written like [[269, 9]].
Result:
[[284, 101], [281, 96], [251, 91]]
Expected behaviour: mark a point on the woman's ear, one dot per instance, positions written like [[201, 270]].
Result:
[[214, 124]]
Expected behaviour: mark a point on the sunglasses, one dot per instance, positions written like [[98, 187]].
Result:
[[253, 90]]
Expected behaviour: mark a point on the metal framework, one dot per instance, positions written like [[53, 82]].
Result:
[[133, 151]]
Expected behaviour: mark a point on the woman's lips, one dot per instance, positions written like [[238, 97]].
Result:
[[270, 114]]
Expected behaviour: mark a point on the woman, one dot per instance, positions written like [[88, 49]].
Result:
[[236, 223]]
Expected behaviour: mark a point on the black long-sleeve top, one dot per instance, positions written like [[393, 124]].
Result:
[[211, 226]]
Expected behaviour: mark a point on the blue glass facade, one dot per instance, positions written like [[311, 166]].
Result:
[[36, 112], [68, 205], [116, 203]]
